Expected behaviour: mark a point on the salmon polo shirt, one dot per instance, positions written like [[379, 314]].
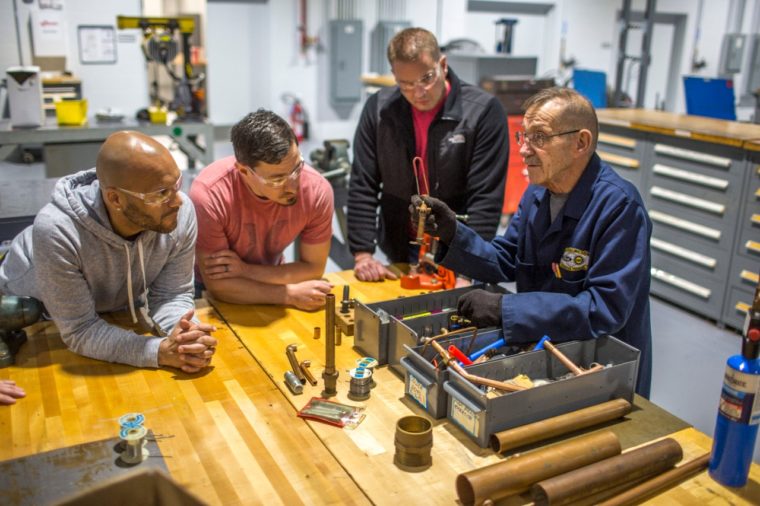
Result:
[[231, 216]]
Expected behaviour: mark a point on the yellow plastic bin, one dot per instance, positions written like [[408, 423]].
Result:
[[71, 112]]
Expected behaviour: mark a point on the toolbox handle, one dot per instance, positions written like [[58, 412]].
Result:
[[419, 376], [452, 390], [464, 387]]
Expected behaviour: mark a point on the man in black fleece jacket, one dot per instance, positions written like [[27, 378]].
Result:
[[456, 129]]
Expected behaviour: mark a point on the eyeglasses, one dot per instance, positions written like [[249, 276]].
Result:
[[158, 197], [424, 82], [538, 139], [280, 181]]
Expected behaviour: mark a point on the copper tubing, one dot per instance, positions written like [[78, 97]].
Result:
[[317, 332], [517, 474], [304, 366], [631, 466], [577, 371], [424, 211], [447, 333], [500, 385], [666, 479], [559, 425], [330, 375]]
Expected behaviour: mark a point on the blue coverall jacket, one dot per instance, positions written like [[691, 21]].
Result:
[[585, 275]]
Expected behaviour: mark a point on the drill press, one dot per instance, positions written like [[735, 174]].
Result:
[[15, 314]]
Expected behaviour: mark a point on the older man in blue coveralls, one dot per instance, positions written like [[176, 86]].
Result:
[[578, 246]]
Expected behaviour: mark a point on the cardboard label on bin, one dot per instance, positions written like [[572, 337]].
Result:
[[417, 391], [464, 416]]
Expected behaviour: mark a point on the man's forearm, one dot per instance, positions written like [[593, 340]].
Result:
[[246, 291], [294, 272]]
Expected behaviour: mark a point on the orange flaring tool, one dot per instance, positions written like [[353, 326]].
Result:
[[426, 274]]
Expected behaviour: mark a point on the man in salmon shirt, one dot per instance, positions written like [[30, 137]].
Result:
[[250, 207], [458, 131]]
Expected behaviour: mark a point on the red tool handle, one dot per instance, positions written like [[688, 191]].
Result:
[[457, 354]]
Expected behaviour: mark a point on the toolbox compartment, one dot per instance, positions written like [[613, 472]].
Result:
[[480, 416], [374, 324], [424, 383]]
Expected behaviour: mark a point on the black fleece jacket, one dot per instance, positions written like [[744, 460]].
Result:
[[468, 147]]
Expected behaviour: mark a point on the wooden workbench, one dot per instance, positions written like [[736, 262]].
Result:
[[699, 128], [235, 437], [367, 451]]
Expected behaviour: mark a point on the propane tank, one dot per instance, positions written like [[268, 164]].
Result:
[[739, 409]]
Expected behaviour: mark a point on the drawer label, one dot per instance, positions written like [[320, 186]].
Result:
[[464, 416], [417, 391]]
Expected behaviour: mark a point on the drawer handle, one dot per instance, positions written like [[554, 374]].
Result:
[[755, 219], [686, 225], [694, 156], [681, 283], [621, 161], [753, 246], [681, 252], [750, 276], [688, 200], [742, 307], [691, 177], [617, 140]]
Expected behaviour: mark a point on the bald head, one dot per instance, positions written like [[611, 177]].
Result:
[[133, 160]]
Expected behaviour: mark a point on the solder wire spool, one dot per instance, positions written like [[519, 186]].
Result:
[[131, 420], [370, 364], [133, 440], [359, 388]]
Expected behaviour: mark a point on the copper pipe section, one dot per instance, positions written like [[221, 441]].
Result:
[[290, 351], [666, 479], [516, 475], [304, 366], [577, 371], [633, 465], [500, 385], [424, 211], [413, 441], [559, 425], [317, 332], [330, 375], [447, 333]]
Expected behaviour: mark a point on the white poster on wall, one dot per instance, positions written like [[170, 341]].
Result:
[[49, 32]]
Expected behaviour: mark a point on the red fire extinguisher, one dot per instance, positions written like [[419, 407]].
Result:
[[299, 120]]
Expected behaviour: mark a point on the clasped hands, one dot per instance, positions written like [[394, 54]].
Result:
[[189, 346]]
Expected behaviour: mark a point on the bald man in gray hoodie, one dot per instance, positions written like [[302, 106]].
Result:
[[117, 237]]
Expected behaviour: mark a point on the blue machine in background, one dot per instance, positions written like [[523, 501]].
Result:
[[592, 84], [711, 97]]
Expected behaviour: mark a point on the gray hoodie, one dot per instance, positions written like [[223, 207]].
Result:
[[73, 261]]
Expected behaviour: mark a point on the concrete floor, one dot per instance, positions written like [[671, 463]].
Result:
[[690, 352]]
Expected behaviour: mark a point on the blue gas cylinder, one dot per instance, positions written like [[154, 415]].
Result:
[[738, 419]]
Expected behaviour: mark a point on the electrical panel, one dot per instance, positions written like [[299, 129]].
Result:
[[346, 36], [382, 34], [753, 72], [731, 53]]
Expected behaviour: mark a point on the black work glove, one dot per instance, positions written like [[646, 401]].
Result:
[[481, 307], [441, 221]]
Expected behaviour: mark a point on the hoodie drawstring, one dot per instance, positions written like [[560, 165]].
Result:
[[130, 293], [129, 286]]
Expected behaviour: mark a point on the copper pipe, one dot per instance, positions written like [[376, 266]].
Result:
[[500, 385], [631, 466], [329, 375], [447, 333], [666, 479], [559, 425], [577, 371], [515, 475]]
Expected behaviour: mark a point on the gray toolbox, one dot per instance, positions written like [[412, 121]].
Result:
[[424, 382], [480, 416], [373, 322]]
